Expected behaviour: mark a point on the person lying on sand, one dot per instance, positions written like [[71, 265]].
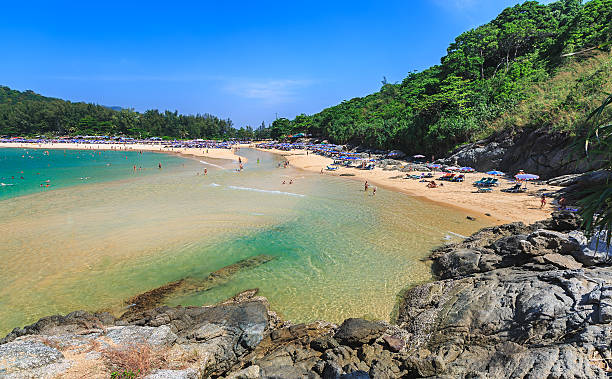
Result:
[[432, 184]]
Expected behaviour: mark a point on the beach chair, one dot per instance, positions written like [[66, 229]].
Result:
[[516, 189], [485, 190], [332, 168], [481, 182], [493, 182], [459, 178]]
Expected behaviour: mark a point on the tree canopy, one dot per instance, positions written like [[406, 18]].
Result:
[[27, 114], [486, 71]]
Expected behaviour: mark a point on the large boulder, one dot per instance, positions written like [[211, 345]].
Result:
[[30, 359], [355, 332]]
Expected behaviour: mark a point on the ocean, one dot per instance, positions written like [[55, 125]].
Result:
[[103, 232]]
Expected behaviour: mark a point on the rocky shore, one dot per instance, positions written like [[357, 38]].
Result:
[[511, 301]]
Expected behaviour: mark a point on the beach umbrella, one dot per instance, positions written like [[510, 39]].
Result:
[[466, 169], [495, 172], [452, 168], [434, 165], [526, 177], [418, 156]]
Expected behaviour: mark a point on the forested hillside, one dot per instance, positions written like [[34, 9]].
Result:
[[28, 114], [486, 73]]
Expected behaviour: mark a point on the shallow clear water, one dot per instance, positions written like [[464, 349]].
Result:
[[338, 251]]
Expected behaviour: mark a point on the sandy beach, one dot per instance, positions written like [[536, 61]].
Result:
[[193, 152], [499, 207]]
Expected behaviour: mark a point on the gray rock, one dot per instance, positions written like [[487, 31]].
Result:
[[29, 358], [324, 343], [590, 252], [394, 343], [174, 374], [534, 150], [562, 261], [285, 372], [356, 332], [251, 372], [132, 334], [531, 310]]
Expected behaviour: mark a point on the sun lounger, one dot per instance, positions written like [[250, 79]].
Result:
[[459, 178], [332, 168], [482, 182], [516, 189], [483, 189]]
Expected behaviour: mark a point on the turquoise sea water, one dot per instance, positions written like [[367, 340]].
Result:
[[338, 252], [26, 171]]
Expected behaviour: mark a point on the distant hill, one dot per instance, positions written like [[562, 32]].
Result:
[[28, 113], [482, 84]]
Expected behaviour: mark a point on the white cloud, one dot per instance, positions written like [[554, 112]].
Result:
[[272, 91]]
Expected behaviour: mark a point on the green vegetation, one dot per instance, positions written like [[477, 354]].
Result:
[[597, 204], [487, 73], [28, 114], [125, 374]]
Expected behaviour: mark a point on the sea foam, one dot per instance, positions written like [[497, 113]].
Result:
[[266, 191], [212, 164]]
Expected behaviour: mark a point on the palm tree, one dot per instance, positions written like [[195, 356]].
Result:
[[597, 204]]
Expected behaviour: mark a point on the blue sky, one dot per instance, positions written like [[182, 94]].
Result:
[[248, 61]]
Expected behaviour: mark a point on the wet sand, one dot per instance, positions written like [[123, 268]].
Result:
[[501, 206]]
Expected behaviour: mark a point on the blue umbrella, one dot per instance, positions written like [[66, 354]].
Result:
[[526, 176], [495, 172], [435, 165], [468, 169]]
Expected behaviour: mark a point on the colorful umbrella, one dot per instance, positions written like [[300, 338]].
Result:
[[466, 169], [495, 172], [526, 176], [418, 156]]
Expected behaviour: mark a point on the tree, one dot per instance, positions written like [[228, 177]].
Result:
[[597, 204]]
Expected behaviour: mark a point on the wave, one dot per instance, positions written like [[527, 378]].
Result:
[[457, 235], [266, 191], [6, 184], [212, 164], [214, 185]]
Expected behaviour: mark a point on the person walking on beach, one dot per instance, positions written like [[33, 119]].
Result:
[[159, 165], [543, 201], [373, 191], [562, 203], [366, 186], [205, 171]]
